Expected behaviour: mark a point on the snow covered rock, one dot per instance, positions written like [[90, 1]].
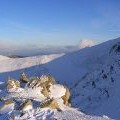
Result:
[[50, 103], [24, 78], [50, 88], [12, 85], [66, 97], [44, 80], [60, 91], [8, 106], [27, 105]]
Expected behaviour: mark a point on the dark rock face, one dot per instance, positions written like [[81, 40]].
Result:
[[115, 49]]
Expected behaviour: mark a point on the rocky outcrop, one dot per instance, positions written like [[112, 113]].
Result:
[[50, 103], [24, 78], [43, 88], [66, 97], [12, 84], [7, 106], [44, 80], [115, 49]]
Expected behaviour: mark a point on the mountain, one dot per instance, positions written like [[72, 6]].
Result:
[[92, 75], [40, 99], [21, 63]]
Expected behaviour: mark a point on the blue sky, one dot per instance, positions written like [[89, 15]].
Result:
[[58, 22]]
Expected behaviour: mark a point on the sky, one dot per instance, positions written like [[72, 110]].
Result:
[[40, 23]]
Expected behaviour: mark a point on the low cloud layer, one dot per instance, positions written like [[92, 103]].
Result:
[[31, 50]]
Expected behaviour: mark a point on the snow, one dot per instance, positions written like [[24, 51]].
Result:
[[29, 107], [28, 93], [19, 63], [54, 91], [78, 71], [49, 114], [3, 58]]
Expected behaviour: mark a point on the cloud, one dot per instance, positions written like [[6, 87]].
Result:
[[86, 43], [32, 50]]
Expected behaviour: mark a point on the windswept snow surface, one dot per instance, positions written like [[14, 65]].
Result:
[[66, 114], [3, 58], [11, 111], [91, 73]]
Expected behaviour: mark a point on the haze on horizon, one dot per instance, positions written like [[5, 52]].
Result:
[[43, 23]]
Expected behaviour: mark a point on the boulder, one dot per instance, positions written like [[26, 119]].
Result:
[[7, 106], [50, 103], [66, 97], [24, 78], [12, 84], [27, 105]]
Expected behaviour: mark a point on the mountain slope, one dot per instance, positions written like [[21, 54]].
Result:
[[50, 114], [11, 64], [30, 102], [92, 74], [98, 90], [3, 58]]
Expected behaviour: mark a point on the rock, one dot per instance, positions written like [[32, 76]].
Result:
[[47, 81], [12, 84], [44, 80], [45, 91], [33, 82], [115, 49], [51, 103], [49, 78], [27, 105], [24, 78], [60, 91], [7, 106], [53, 95], [66, 97]]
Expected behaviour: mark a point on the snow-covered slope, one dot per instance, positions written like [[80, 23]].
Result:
[[92, 74], [50, 114], [66, 114], [11, 64], [30, 103], [3, 58]]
